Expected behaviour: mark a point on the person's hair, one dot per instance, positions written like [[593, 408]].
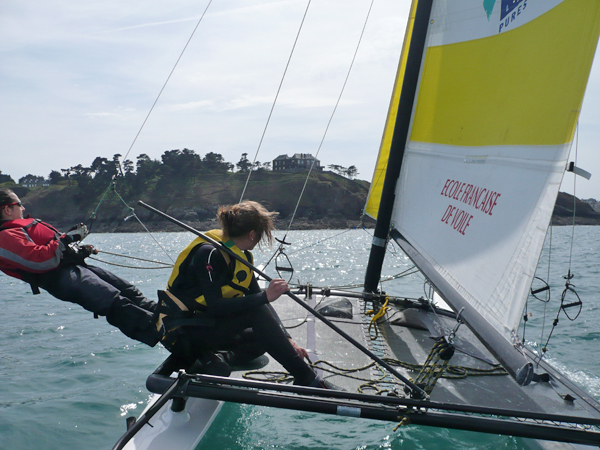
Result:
[[238, 220], [5, 196]]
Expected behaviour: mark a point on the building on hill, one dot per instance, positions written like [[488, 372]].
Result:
[[296, 163], [31, 181]]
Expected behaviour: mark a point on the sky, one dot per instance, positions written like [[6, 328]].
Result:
[[78, 79]]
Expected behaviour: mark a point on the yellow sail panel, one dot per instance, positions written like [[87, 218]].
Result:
[[520, 92], [374, 196]]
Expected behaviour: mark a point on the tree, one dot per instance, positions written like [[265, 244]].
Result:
[[101, 166], [185, 163], [337, 168], [5, 178], [146, 168], [128, 166], [55, 177], [351, 172], [117, 164], [81, 175], [215, 163], [243, 164], [67, 175]]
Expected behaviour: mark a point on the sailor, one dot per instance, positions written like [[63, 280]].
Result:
[[38, 254], [214, 312]]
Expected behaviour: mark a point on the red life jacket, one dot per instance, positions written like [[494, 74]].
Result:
[[28, 245]]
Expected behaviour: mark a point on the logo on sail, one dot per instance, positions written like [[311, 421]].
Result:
[[480, 198], [510, 10]]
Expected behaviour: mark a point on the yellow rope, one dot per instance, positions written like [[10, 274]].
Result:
[[431, 371], [376, 317]]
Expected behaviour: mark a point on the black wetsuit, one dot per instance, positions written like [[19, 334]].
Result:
[[247, 325], [104, 294]]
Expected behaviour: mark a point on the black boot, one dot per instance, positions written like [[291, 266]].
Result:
[[210, 364]]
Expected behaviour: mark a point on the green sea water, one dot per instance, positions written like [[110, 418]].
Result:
[[69, 381]]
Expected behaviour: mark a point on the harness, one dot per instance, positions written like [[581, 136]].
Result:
[[39, 235], [188, 307]]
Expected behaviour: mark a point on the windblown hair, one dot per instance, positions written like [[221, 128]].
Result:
[[238, 220], [5, 196]]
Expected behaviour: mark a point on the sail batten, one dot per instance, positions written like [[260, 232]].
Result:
[[490, 132]]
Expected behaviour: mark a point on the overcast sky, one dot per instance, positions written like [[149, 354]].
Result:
[[77, 79]]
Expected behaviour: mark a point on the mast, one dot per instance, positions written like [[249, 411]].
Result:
[[399, 139]]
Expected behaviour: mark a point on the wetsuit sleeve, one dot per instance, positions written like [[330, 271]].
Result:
[[19, 252], [211, 269], [255, 288]]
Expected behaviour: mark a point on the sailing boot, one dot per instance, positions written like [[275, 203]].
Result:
[[320, 383], [133, 321], [210, 364]]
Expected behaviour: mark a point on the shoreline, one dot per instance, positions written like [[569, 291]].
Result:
[[133, 226]]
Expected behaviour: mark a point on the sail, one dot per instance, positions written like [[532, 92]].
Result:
[[374, 196], [500, 89]]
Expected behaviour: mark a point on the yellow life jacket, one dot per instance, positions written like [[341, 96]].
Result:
[[236, 283]]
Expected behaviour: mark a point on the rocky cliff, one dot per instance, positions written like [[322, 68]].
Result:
[[329, 201]]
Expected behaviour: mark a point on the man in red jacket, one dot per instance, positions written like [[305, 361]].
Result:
[[37, 253]]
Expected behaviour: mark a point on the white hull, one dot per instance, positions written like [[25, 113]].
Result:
[[177, 430]]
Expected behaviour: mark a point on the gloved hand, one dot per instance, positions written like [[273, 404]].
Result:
[[75, 234], [87, 250]]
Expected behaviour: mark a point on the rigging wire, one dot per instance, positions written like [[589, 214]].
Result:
[[275, 100], [280, 248], [112, 184], [167, 265], [362, 33], [569, 288], [168, 78], [574, 197]]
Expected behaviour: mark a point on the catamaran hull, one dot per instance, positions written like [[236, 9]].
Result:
[[177, 430]]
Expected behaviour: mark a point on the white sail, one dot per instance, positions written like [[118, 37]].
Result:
[[499, 94]]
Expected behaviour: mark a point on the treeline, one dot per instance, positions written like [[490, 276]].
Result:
[[136, 176], [174, 167]]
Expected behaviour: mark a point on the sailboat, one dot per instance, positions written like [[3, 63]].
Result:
[[476, 143]]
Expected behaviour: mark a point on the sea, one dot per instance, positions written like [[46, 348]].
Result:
[[68, 380]]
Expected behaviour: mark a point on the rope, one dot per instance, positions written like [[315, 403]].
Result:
[[113, 187], [168, 78], [436, 364], [429, 373], [568, 286], [563, 307], [164, 265], [376, 317], [451, 372], [128, 267], [410, 271], [322, 240], [332, 115], [275, 100], [574, 198]]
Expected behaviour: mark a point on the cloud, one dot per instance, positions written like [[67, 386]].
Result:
[[79, 78]]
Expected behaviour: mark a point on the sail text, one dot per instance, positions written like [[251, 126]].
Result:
[[480, 198]]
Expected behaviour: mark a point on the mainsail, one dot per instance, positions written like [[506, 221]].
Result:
[[499, 92]]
